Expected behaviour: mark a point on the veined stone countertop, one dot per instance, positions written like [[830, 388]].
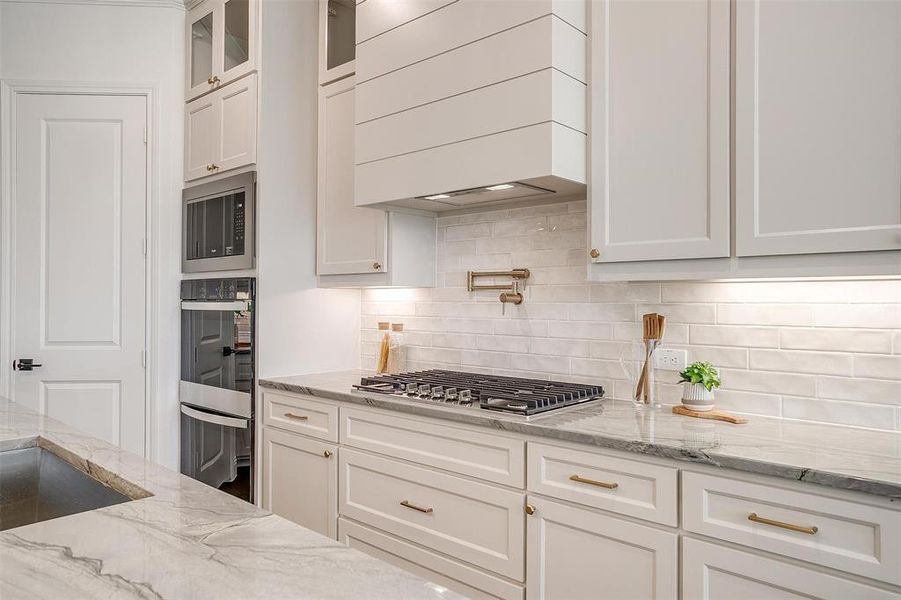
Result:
[[182, 539], [834, 456]]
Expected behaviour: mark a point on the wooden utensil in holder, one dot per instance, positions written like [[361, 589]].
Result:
[[653, 327]]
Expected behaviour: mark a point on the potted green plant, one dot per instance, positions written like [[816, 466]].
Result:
[[699, 379]]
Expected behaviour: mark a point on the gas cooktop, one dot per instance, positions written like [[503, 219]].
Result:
[[491, 392]]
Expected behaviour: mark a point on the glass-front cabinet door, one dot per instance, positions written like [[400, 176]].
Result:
[[337, 39], [221, 43]]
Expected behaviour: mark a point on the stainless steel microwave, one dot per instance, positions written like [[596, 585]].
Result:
[[218, 225]]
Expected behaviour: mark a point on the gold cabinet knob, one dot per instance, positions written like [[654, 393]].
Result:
[[377, 266], [327, 454], [530, 510], [213, 80], [209, 167], [594, 253]]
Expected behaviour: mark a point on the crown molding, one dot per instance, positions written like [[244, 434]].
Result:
[[176, 4]]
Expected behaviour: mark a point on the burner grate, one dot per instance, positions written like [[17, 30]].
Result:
[[491, 392]]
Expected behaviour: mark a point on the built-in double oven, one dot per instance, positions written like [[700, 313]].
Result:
[[217, 382]]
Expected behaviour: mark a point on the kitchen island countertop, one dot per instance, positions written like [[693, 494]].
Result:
[[181, 539], [839, 457]]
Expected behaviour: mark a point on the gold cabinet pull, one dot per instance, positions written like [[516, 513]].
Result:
[[296, 417], [327, 454], [377, 266], [421, 509], [783, 525], [213, 80], [594, 253], [603, 484], [530, 510]]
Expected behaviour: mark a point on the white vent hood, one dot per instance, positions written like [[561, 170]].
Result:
[[473, 104]]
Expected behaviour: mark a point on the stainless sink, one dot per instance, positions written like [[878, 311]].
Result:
[[36, 485]]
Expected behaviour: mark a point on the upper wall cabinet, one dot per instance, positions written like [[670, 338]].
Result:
[[337, 39], [817, 127], [659, 130], [221, 43], [357, 246], [221, 130], [496, 90]]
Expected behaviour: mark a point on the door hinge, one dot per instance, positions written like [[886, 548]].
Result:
[[145, 135], [143, 359], [144, 246]]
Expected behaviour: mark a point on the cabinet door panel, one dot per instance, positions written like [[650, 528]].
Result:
[[575, 553], [818, 129], [300, 480], [350, 240], [660, 130], [202, 118], [713, 572], [200, 48], [238, 124]]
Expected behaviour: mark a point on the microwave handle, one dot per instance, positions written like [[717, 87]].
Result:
[[242, 305], [214, 418]]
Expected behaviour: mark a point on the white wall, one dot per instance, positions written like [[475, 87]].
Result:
[[827, 351], [143, 45], [303, 329]]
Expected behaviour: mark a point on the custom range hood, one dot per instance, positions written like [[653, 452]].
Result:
[[474, 104]]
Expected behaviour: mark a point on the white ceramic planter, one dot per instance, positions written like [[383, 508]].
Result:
[[696, 397]]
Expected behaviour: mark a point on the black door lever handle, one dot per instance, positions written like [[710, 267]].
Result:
[[25, 364]]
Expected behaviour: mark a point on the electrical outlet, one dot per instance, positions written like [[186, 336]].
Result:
[[669, 359]]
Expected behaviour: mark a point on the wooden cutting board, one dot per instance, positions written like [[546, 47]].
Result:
[[714, 415]]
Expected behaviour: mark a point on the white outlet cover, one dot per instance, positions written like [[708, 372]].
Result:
[[669, 359]]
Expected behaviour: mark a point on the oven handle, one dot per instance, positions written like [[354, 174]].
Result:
[[236, 305], [214, 418]]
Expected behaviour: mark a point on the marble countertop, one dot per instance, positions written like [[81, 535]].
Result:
[[181, 539], [834, 456]]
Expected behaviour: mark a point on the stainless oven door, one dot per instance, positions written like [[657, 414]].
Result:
[[217, 356], [216, 449]]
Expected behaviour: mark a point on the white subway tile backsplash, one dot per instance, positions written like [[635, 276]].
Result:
[[801, 362], [837, 340], [825, 351], [764, 314], [877, 367], [760, 337]]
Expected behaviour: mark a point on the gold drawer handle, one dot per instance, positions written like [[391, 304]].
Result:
[[296, 417], [603, 484], [327, 454], [798, 528], [409, 504]]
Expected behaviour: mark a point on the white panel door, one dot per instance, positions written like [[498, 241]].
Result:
[[659, 164], [578, 554], [237, 124], [349, 239], [79, 200], [300, 480], [713, 572], [817, 126]]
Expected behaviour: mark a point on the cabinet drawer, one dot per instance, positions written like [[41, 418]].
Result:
[[619, 485], [301, 414], [429, 565], [474, 522], [844, 535], [714, 572], [483, 455]]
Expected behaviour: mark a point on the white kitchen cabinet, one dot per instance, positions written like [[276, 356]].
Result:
[[358, 247], [659, 156], [220, 44], [575, 553], [714, 572], [300, 480], [337, 39], [817, 127], [221, 129]]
